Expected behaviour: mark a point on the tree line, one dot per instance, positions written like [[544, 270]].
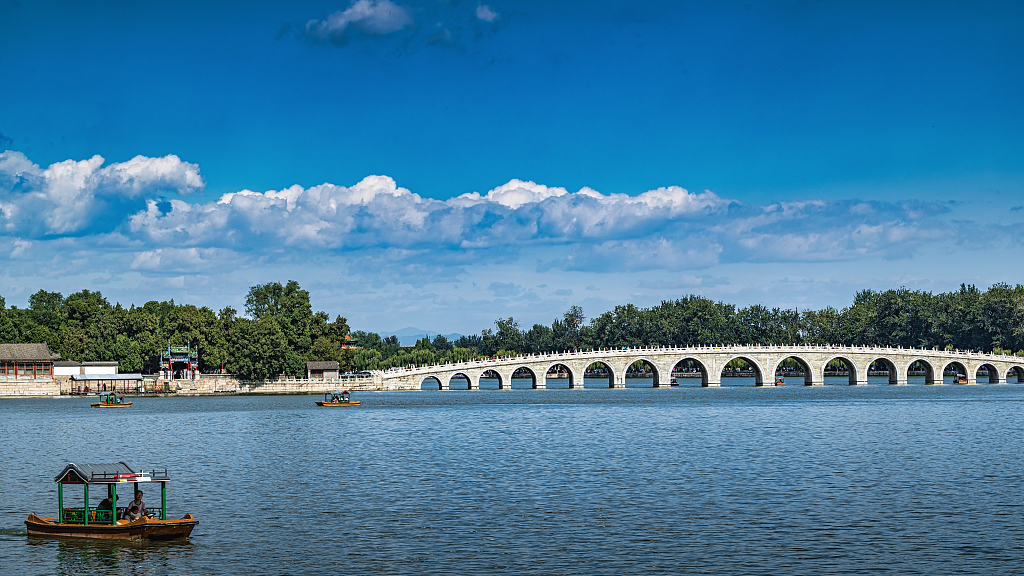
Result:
[[965, 319], [279, 330], [278, 334]]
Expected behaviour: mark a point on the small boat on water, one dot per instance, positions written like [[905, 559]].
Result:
[[107, 521], [111, 400], [960, 379], [779, 381], [337, 399]]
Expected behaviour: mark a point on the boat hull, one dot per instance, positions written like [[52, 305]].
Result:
[[336, 404], [105, 405], [141, 529]]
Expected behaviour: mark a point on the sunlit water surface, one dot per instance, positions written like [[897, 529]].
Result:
[[686, 480]]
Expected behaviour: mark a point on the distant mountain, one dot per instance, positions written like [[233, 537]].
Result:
[[409, 336]]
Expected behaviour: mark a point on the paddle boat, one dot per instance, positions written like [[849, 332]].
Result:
[[779, 381], [103, 522], [111, 400], [337, 399]]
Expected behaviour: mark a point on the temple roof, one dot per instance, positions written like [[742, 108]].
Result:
[[27, 352]]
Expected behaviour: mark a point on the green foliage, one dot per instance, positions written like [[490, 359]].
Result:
[[259, 349], [281, 331]]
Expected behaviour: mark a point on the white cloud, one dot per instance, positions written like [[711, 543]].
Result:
[[368, 16], [486, 13], [73, 196], [136, 218], [513, 194]]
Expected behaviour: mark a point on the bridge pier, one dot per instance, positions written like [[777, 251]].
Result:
[[711, 384], [540, 384]]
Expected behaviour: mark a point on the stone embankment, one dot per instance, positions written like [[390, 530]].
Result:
[[29, 387], [227, 384]]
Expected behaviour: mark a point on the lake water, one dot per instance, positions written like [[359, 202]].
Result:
[[733, 480]]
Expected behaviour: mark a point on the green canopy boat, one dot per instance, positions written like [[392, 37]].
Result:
[[105, 522]]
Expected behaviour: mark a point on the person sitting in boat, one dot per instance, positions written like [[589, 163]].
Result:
[[136, 508], [107, 503], [334, 398]]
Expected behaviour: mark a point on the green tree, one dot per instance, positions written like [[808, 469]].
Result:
[[8, 331], [47, 309], [258, 349]]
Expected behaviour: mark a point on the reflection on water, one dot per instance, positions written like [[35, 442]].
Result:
[[136, 557]]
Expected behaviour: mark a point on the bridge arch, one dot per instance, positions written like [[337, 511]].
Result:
[[1016, 371], [851, 367], [605, 365], [929, 370], [758, 369], [491, 374], [808, 372], [959, 370], [522, 371], [993, 373], [457, 378], [563, 368], [654, 368], [890, 368], [432, 382], [689, 363]]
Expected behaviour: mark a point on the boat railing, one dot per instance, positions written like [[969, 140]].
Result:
[[77, 516]]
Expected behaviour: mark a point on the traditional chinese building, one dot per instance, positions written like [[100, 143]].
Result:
[[321, 370], [27, 370], [179, 362]]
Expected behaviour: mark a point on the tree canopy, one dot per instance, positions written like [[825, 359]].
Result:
[[280, 331]]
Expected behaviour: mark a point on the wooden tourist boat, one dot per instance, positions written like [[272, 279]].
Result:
[[960, 379], [337, 399], [780, 381], [111, 400], [103, 522]]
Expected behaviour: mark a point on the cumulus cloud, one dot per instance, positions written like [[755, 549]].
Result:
[[376, 17], [486, 13], [141, 208], [74, 196]]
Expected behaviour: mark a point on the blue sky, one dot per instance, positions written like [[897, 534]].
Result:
[[441, 164]]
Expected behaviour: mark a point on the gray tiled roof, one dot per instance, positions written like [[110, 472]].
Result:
[[65, 364], [324, 365], [88, 472], [98, 377], [26, 352]]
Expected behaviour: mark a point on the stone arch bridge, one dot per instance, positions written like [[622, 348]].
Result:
[[711, 361]]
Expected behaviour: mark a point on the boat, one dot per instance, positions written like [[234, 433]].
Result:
[[103, 522], [779, 381], [337, 399], [960, 379], [111, 400]]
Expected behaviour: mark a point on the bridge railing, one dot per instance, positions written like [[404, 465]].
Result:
[[630, 351]]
